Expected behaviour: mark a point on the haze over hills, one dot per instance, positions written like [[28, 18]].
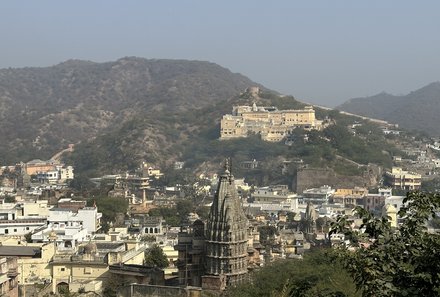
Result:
[[122, 113], [417, 110], [42, 110]]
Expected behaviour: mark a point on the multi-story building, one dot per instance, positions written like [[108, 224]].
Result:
[[19, 219], [350, 197], [98, 264], [318, 196], [37, 165], [272, 124], [275, 198], [68, 228], [375, 202], [59, 175], [66, 173], [48, 177], [33, 261], [405, 180], [8, 276]]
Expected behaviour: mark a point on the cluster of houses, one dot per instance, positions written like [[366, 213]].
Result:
[[57, 241]]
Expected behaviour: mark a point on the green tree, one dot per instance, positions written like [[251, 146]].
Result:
[[154, 256], [267, 234], [394, 262], [184, 208], [315, 275], [109, 207]]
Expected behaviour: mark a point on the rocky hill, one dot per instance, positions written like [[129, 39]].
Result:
[[42, 110], [417, 110], [121, 113]]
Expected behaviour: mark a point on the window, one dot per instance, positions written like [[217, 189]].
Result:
[[63, 269], [6, 231], [87, 270], [15, 230]]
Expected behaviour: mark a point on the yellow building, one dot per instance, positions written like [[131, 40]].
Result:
[[401, 179], [272, 124], [350, 197], [32, 260]]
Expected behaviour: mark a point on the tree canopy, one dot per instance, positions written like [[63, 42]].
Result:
[[154, 256], [315, 275], [386, 261]]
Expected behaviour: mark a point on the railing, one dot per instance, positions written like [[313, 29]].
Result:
[[24, 221]]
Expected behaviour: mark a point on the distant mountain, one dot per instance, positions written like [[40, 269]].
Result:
[[419, 110], [44, 109]]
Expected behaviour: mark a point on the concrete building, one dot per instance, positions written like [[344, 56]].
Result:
[[32, 261], [318, 196], [48, 177], [401, 179], [19, 219], [8, 276], [273, 194], [68, 229], [273, 199], [97, 265], [37, 165], [350, 197], [66, 173], [375, 202]]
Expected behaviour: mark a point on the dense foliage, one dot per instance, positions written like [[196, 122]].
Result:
[[155, 257], [173, 216], [110, 208], [316, 275], [389, 262]]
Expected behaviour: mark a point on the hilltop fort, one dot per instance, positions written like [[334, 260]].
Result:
[[272, 124]]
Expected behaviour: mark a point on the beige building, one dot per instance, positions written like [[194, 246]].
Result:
[[350, 197], [32, 260], [8, 277], [272, 124], [405, 180]]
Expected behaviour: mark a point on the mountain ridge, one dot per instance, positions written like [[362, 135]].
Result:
[[43, 109], [417, 110]]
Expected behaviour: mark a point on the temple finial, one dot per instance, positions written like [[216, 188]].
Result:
[[227, 166]]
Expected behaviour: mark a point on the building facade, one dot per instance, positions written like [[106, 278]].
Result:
[[398, 178], [269, 122]]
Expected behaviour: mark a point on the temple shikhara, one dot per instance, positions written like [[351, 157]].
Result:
[[216, 256], [226, 237]]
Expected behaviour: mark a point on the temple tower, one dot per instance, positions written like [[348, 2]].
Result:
[[226, 237]]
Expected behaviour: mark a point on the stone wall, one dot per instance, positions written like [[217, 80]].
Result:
[[307, 178]]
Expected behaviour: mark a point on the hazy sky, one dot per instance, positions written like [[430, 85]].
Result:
[[319, 51]]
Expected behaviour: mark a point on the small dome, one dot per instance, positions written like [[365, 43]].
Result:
[[390, 208]]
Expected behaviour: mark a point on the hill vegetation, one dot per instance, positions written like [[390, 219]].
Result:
[[132, 110], [42, 110], [417, 110]]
